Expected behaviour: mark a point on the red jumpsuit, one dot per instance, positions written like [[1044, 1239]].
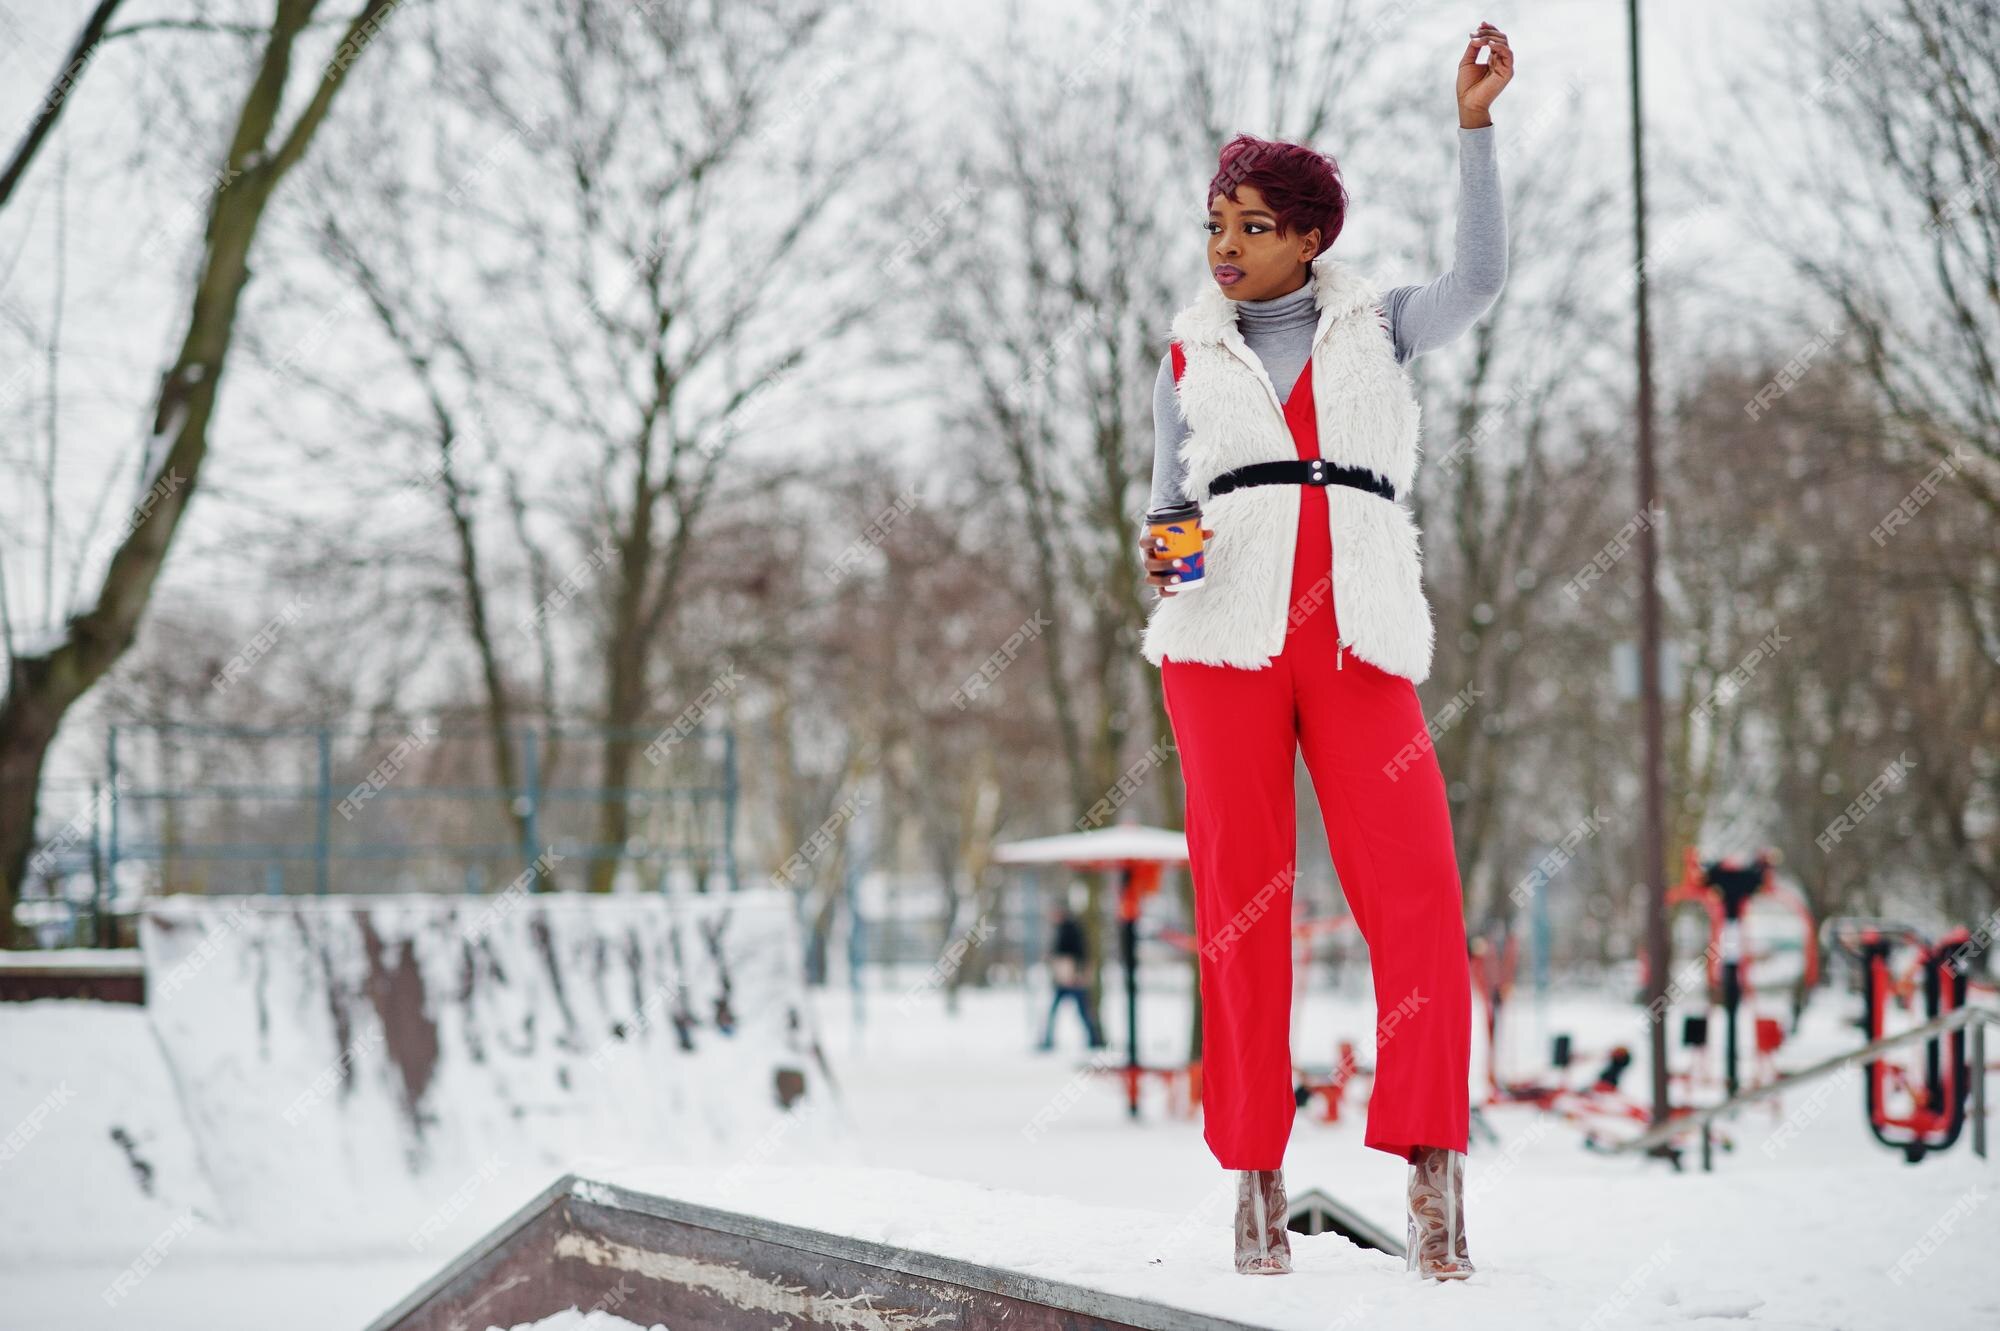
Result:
[[1390, 834]]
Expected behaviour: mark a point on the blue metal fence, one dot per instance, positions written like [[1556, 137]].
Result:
[[297, 808]]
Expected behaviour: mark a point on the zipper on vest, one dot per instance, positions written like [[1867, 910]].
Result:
[[1340, 651]]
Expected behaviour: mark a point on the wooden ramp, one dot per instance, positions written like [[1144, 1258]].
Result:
[[652, 1259]]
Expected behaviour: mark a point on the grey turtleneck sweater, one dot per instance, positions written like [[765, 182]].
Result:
[[1421, 318]]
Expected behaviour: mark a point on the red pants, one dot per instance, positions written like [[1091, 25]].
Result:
[[1389, 829]]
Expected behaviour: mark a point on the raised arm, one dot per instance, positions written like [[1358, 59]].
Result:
[[1423, 317]]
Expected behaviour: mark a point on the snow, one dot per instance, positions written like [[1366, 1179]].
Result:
[[271, 1013], [1122, 841], [572, 1320], [1807, 1222], [108, 960]]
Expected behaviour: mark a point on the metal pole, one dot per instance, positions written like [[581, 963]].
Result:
[[1979, 1089], [1128, 947], [101, 924], [325, 827], [531, 796], [729, 810], [1653, 841], [111, 767]]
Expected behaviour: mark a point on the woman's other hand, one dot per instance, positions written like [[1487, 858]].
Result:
[[1159, 570], [1479, 84]]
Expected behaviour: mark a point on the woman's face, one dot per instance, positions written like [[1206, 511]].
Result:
[[1246, 256]]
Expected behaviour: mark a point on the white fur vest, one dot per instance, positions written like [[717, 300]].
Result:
[[1367, 415]]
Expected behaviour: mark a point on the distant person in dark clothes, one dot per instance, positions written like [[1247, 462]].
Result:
[[1067, 955]]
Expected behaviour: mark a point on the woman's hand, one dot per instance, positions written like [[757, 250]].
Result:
[[1479, 84], [1158, 570]]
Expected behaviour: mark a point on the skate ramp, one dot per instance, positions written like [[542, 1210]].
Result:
[[411, 1066], [655, 1260]]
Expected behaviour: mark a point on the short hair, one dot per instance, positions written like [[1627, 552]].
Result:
[[1301, 184]]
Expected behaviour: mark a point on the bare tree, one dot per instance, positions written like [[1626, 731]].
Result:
[[46, 680]]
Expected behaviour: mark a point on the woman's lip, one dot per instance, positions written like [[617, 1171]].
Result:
[[1227, 275]]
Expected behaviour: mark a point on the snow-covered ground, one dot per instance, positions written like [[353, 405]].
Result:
[[959, 1139]]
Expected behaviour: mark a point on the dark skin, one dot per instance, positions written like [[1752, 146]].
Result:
[[1253, 260]]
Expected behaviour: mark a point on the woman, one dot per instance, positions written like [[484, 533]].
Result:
[[1284, 407]]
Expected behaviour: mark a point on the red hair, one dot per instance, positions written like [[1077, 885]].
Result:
[[1300, 185]]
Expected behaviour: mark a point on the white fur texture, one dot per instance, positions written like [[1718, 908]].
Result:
[[1367, 415]]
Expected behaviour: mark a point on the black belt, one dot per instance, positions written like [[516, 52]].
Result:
[[1302, 471]]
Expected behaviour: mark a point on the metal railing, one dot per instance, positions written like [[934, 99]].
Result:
[[237, 808], [1978, 1018]]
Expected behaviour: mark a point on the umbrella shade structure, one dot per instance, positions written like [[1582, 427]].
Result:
[[1137, 854], [1103, 848]]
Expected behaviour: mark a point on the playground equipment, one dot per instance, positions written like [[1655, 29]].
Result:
[[1758, 939], [1913, 1112], [1137, 855], [1917, 1114], [1730, 892], [1594, 1106]]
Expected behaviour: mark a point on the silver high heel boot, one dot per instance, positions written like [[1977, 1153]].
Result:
[[1263, 1243], [1436, 1236]]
